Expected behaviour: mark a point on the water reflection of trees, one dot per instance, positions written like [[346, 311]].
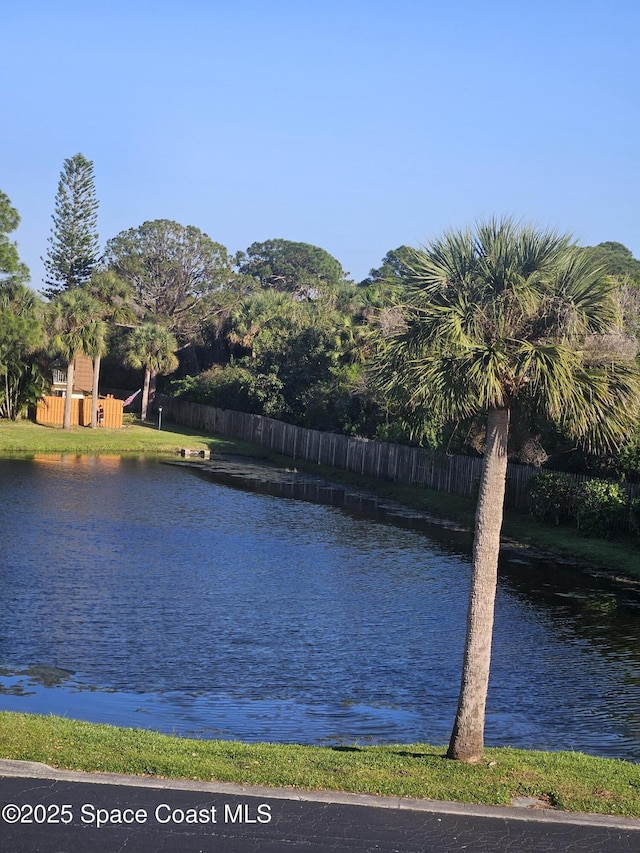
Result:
[[591, 606], [586, 605]]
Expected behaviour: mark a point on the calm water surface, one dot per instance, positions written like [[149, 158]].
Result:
[[138, 594]]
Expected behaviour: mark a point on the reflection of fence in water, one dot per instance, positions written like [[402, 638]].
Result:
[[414, 465]]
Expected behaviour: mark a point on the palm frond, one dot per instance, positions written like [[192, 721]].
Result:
[[511, 311]]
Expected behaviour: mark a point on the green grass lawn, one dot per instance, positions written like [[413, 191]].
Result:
[[563, 780], [25, 437]]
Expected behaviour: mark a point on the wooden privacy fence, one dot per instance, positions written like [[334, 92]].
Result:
[[50, 410], [412, 465], [459, 475]]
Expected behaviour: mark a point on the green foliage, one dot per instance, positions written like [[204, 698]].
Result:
[[407, 421], [12, 270], [21, 327], [634, 515], [551, 496], [75, 324], [22, 381], [301, 269], [394, 271], [626, 463], [152, 348], [501, 314], [595, 506], [300, 355], [114, 296], [334, 401], [73, 246], [599, 506], [342, 402], [178, 275], [233, 387], [297, 339], [616, 259]]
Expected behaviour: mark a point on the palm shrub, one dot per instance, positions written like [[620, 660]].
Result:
[[151, 348], [551, 496]]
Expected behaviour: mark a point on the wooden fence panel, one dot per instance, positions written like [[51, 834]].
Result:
[[50, 410]]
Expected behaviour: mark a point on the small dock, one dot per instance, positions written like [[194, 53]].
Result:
[[201, 454]]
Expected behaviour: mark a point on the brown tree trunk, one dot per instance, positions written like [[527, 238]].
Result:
[[153, 384], [145, 395], [467, 738], [66, 419], [94, 392]]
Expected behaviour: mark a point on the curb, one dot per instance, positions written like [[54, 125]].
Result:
[[35, 770]]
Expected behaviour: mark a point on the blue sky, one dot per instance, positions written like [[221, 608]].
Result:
[[355, 125]]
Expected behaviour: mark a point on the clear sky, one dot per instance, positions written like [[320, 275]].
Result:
[[355, 125]]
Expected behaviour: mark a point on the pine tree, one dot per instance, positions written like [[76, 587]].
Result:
[[73, 245]]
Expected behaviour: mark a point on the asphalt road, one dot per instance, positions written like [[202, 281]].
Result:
[[51, 811]]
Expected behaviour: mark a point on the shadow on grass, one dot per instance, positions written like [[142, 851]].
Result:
[[404, 753]]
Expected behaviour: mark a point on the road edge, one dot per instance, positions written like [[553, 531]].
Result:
[[36, 770]]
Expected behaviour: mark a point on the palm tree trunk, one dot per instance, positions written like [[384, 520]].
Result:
[[94, 391], [153, 384], [6, 410], [467, 738], [145, 394], [66, 420]]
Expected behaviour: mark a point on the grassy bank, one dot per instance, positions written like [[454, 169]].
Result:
[[25, 437], [568, 781]]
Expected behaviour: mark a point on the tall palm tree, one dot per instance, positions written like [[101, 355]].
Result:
[[116, 308], [76, 327], [493, 316], [151, 348]]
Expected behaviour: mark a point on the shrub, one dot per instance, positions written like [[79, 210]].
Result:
[[551, 496], [232, 387], [634, 513], [599, 506]]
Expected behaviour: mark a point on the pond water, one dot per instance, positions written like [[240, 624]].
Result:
[[138, 594]]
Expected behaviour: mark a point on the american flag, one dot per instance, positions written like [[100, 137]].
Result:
[[131, 398]]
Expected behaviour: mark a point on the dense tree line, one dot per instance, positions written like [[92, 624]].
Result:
[[278, 329]]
